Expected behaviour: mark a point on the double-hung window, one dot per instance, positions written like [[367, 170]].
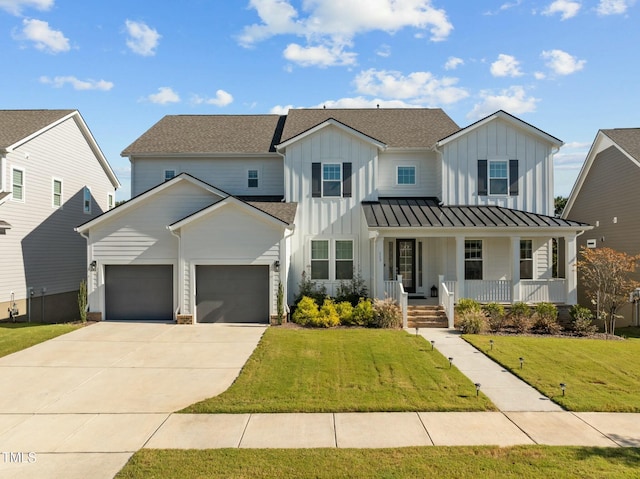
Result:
[[344, 259], [332, 179], [498, 177], [17, 183], [252, 178], [526, 259], [57, 193], [86, 200], [320, 259], [325, 253], [406, 175], [473, 259]]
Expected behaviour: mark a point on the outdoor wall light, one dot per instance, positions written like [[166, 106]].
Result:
[[563, 386], [521, 362], [477, 389], [276, 266], [432, 343], [450, 362], [93, 266]]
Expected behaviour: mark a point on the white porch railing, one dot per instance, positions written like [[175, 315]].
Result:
[[545, 290], [447, 299], [488, 291], [395, 290]]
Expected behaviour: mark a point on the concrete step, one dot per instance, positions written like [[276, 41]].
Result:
[[426, 316]]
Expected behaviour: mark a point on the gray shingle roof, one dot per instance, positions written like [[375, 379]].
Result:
[[4, 225], [18, 124], [210, 134], [427, 213], [283, 211], [627, 138], [396, 127]]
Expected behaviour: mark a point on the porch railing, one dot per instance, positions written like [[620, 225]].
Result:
[[501, 291], [395, 290], [447, 299], [488, 291], [546, 290]]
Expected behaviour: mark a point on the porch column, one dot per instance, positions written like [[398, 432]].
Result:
[[515, 269], [460, 290], [571, 274]]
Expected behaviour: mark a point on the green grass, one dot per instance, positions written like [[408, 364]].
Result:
[[601, 375], [345, 370], [17, 336], [445, 462]]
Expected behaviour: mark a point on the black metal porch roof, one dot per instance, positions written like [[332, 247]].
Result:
[[428, 213]]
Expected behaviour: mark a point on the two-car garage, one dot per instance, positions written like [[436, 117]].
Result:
[[224, 293]]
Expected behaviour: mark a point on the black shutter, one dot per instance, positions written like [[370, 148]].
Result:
[[316, 180], [513, 177], [346, 180], [482, 178]]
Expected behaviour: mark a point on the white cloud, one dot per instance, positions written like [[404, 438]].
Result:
[[504, 7], [354, 102], [453, 63], [45, 38], [613, 7], [539, 75], [419, 87], [513, 100], [561, 62], [566, 9], [60, 81], [222, 98], [164, 96], [143, 39], [506, 66], [15, 7], [321, 55], [384, 51]]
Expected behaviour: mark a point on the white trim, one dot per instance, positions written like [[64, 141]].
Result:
[[24, 182], [337, 124], [53, 192], [111, 201]]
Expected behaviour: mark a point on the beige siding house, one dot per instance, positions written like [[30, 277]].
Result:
[[53, 177], [227, 207], [606, 195]]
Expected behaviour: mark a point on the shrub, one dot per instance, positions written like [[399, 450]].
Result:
[[545, 319], [467, 304], [386, 314], [352, 290], [472, 321], [496, 316], [582, 320], [345, 313], [306, 312], [363, 313], [327, 316], [520, 316], [310, 289]]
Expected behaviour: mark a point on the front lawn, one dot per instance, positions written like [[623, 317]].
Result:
[[460, 462], [600, 375], [17, 336], [345, 370]]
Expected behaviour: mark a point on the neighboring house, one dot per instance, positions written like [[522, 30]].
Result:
[[53, 176], [606, 194], [226, 207]]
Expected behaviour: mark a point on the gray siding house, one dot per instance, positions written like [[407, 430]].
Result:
[[607, 195], [53, 177], [227, 207]]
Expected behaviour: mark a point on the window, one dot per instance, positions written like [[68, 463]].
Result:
[[331, 179], [473, 259], [320, 259], [57, 193], [526, 259], [110, 202], [17, 180], [168, 174], [86, 201], [406, 175], [344, 259], [498, 177], [252, 178]]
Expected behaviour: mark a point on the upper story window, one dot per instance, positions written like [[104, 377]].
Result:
[[86, 200], [406, 175], [110, 201], [473, 259], [498, 177], [252, 178], [17, 182], [57, 193], [331, 180], [526, 259], [168, 174]]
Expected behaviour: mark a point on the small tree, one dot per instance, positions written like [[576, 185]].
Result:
[[280, 303], [605, 274]]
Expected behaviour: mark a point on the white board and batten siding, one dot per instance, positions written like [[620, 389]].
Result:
[[229, 174], [42, 250], [499, 140], [329, 218], [428, 171]]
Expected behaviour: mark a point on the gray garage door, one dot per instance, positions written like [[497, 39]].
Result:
[[232, 294], [142, 292]]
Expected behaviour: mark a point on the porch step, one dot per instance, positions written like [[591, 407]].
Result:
[[426, 316]]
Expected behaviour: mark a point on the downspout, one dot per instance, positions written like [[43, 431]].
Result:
[[180, 275]]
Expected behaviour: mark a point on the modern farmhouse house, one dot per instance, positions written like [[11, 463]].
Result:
[[53, 176], [225, 208]]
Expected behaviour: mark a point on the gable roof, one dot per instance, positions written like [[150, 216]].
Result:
[[200, 134], [628, 139], [16, 125], [504, 116], [337, 124], [395, 127]]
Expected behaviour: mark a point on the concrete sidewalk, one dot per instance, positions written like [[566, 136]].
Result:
[[506, 391]]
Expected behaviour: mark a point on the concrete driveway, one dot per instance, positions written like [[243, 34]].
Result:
[[82, 403]]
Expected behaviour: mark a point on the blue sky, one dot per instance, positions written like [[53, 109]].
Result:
[[569, 67]]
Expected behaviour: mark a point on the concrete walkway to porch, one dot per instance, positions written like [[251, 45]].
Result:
[[506, 391]]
